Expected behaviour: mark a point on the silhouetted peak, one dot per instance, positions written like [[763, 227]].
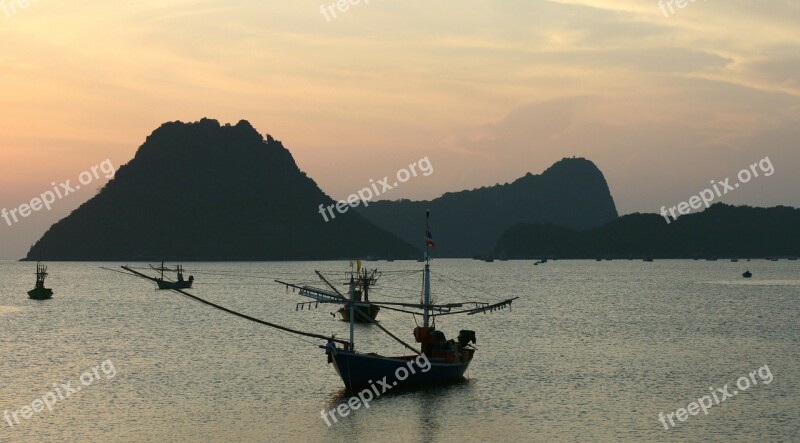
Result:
[[179, 141], [573, 169], [572, 165], [206, 191]]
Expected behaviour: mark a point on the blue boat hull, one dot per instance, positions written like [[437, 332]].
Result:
[[359, 371]]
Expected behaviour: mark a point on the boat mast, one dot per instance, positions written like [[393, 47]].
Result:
[[426, 290], [352, 309]]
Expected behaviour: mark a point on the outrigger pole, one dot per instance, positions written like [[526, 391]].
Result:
[[244, 316], [265, 323]]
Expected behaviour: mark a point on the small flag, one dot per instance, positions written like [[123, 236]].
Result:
[[428, 236], [429, 239]]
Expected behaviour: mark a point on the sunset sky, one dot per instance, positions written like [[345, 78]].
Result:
[[488, 90]]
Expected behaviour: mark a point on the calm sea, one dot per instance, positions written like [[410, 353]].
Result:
[[591, 351]]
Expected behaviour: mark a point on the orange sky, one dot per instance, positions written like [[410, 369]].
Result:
[[488, 90]]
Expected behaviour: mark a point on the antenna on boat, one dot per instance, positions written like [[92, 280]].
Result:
[[426, 290]]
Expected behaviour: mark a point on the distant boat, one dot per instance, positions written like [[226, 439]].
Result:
[[735, 260], [647, 258], [488, 259], [747, 274], [40, 292], [598, 259], [543, 260], [359, 289], [359, 283], [162, 282], [793, 258], [711, 259]]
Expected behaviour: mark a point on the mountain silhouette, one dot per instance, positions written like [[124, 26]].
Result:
[[720, 231], [202, 191], [571, 193]]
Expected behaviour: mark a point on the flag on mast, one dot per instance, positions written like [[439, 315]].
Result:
[[428, 236]]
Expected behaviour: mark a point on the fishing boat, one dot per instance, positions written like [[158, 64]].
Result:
[[40, 292], [448, 359], [747, 274], [360, 282], [162, 282]]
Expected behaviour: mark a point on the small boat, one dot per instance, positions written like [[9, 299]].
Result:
[[162, 282], [747, 274], [735, 260], [488, 259], [359, 283], [40, 292], [360, 290], [647, 259]]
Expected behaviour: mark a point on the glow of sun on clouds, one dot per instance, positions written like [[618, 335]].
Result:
[[490, 90]]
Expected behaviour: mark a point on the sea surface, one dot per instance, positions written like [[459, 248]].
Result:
[[591, 351]]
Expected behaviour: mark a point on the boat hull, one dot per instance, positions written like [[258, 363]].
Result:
[[370, 311], [162, 284], [40, 293], [360, 371]]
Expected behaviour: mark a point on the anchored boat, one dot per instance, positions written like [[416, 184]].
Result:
[[163, 282], [449, 359], [40, 292]]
